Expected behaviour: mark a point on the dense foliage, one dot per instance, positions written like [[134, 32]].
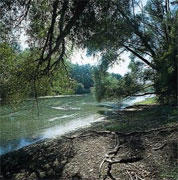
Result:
[[114, 86], [19, 78], [82, 74]]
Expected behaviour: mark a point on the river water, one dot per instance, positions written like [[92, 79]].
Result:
[[56, 116]]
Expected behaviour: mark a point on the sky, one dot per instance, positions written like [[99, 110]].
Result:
[[79, 57]]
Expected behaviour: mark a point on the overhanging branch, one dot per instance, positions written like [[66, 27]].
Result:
[[78, 11], [140, 57]]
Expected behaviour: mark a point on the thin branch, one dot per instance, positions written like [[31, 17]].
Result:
[[61, 21], [51, 29], [60, 59], [54, 16], [137, 32], [23, 16], [78, 11]]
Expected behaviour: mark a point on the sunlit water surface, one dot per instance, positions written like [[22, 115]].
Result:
[[56, 116]]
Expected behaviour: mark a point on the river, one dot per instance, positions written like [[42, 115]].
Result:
[[56, 116]]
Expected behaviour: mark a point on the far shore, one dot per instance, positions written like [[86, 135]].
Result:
[[72, 95]]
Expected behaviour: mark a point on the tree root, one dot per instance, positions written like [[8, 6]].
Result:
[[120, 140], [109, 174], [109, 158], [125, 161]]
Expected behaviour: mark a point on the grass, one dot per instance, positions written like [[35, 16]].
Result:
[[169, 173], [148, 101]]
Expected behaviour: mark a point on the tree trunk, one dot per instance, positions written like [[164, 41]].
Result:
[[176, 81]]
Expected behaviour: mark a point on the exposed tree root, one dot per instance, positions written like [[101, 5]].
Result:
[[110, 156], [127, 160], [109, 174], [120, 140]]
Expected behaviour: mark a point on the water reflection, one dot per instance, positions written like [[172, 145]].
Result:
[[57, 116], [66, 127]]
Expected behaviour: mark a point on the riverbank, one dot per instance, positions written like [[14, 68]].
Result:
[[138, 142]]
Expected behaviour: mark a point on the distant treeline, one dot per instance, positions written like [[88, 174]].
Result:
[[84, 77], [82, 74]]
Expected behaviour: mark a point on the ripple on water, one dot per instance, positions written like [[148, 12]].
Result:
[[65, 108], [61, 117]]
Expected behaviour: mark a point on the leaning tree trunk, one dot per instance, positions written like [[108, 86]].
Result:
[[176, 80], [176, 60]]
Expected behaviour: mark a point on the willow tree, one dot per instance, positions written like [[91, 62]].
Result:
[[147, 32], [34, 72]]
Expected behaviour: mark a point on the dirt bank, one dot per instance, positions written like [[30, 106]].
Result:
[[148, 154]]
